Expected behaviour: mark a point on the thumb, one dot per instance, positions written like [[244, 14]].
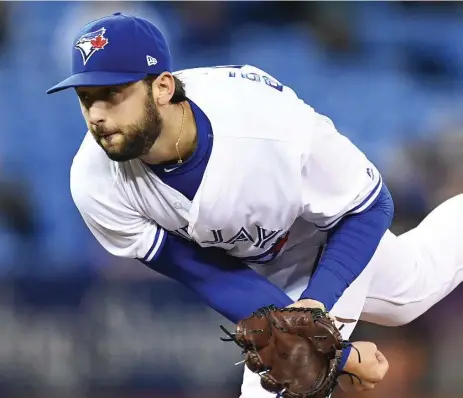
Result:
[[380, 357], [382, 361]]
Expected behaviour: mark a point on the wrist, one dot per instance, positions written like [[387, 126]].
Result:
[[345, 356]]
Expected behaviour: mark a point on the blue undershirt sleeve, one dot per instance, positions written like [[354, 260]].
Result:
[[225, 283], [350, 246]]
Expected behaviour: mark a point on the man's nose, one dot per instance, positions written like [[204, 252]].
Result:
[[97, 113]]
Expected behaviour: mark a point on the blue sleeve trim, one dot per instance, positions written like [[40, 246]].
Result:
[[223, 282], [157, 245], [345, 356], [349, 249], [364, 206]]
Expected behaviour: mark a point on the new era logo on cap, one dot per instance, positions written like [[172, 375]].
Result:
[[151, 60]]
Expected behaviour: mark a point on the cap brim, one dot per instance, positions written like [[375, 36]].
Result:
[[95, 79]]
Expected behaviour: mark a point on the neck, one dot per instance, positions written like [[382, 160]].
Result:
[[164, 149]]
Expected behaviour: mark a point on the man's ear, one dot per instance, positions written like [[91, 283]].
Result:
[[164, 88]]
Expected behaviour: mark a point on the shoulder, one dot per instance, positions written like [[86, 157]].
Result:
[[235, 85], [247, 102], [99, 194]]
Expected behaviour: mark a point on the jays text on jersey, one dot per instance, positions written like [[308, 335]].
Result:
[[278, 175]]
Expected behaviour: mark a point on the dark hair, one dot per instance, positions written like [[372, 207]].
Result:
[[179, 93]]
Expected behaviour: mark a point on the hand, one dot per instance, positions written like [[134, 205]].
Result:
[[371, 370], [307, 303]]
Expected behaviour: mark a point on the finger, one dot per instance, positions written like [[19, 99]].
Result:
[[381, 368], [370, 386], [380, 356], [365, 386], [347, 384], [348, 387], [383, 363]]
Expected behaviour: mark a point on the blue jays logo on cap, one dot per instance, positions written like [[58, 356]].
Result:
[[90, 43]]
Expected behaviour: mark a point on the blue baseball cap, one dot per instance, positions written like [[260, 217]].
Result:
[[116, 49]]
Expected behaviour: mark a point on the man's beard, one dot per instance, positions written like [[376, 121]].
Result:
[[138, 138]]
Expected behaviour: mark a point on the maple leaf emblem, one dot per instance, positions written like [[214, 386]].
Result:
[[99, 42], [89, 43], [280, 243]]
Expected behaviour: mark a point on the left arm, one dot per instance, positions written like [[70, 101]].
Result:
[[351, 245], [344, 195]]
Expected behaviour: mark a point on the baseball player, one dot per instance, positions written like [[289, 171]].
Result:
[[224, 180]]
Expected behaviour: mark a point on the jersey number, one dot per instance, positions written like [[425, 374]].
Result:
[[254, 77]]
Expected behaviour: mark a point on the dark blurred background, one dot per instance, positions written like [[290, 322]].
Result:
[[76, 322]]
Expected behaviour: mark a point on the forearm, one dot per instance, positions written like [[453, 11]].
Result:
[[223, 282], [350, 247]]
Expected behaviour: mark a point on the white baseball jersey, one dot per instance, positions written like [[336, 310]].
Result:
[[279, 174]]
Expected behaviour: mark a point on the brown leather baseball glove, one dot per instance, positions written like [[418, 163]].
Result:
[[296, 351]]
